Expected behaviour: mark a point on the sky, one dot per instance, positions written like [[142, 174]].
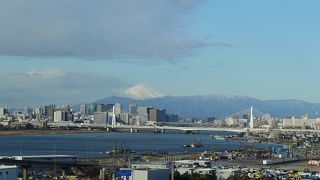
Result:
[[76, 51]]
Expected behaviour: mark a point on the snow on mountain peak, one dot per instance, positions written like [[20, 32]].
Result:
[[142, 91]]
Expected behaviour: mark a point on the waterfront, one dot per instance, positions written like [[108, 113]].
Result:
[[96, 144]]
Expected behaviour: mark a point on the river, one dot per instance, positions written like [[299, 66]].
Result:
[[96, 144]]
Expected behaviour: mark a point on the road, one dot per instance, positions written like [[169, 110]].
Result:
[[189, 128]]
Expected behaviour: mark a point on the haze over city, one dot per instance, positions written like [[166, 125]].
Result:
[[69, 52]]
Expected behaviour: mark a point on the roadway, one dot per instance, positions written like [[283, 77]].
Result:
[[70, 125], [166, 127]]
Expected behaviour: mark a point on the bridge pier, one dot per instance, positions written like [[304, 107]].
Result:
[[134, 130], [155, 130], [198, 131], [187, 132]]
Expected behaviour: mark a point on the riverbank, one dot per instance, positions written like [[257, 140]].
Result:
[[45, 131]]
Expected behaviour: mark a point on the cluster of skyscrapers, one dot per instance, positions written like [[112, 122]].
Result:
[[114, 114], [99, 114]]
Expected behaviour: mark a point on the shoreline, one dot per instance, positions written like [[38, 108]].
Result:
[[45, 132]]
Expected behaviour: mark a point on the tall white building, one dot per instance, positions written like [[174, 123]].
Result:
[[59, 116], [2, 111]]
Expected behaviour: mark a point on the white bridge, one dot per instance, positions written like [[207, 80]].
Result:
[[137, 127], [189, 128], [183, 127]]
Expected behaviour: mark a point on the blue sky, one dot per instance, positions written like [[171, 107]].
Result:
[[72, 52]]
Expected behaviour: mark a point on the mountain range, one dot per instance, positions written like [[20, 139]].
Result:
[[219, 105]]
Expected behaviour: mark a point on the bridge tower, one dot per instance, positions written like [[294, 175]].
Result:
[[113, 122], [251, 118]]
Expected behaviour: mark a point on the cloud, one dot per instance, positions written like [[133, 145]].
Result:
[[142, 91], [38, 87], [97, 30]]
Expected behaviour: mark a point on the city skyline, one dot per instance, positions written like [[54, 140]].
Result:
[[69, 53]]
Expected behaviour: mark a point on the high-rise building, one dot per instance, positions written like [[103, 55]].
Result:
[[3, 111], [28, 111], [104, 107], [142, 111], [100, 118], [50, 112], [117, 108], [92, 108], [100, 108], [83, 109], [133, 109], [172, 118], [143, 114], [124, 118], [158, 115], [59, 116]]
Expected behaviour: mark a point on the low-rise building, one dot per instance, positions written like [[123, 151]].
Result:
[[151, 174], [225, 173], [8, 172], [151, 165]]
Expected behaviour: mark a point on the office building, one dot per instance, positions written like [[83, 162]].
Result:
[[50, 112], [157, 115], [143, 110], [124, 118], [92, 108], [3, 111], [60, 116], [28, 111], [83, 109], [172, 118], [100, 108], [100, 118], [104, 107], [133, 109], [117, 108]]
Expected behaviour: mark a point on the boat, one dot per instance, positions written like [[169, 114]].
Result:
[[121, 150], [217, 137], [194, 145]]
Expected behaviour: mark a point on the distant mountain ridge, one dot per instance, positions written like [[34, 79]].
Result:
[[220, 105]]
